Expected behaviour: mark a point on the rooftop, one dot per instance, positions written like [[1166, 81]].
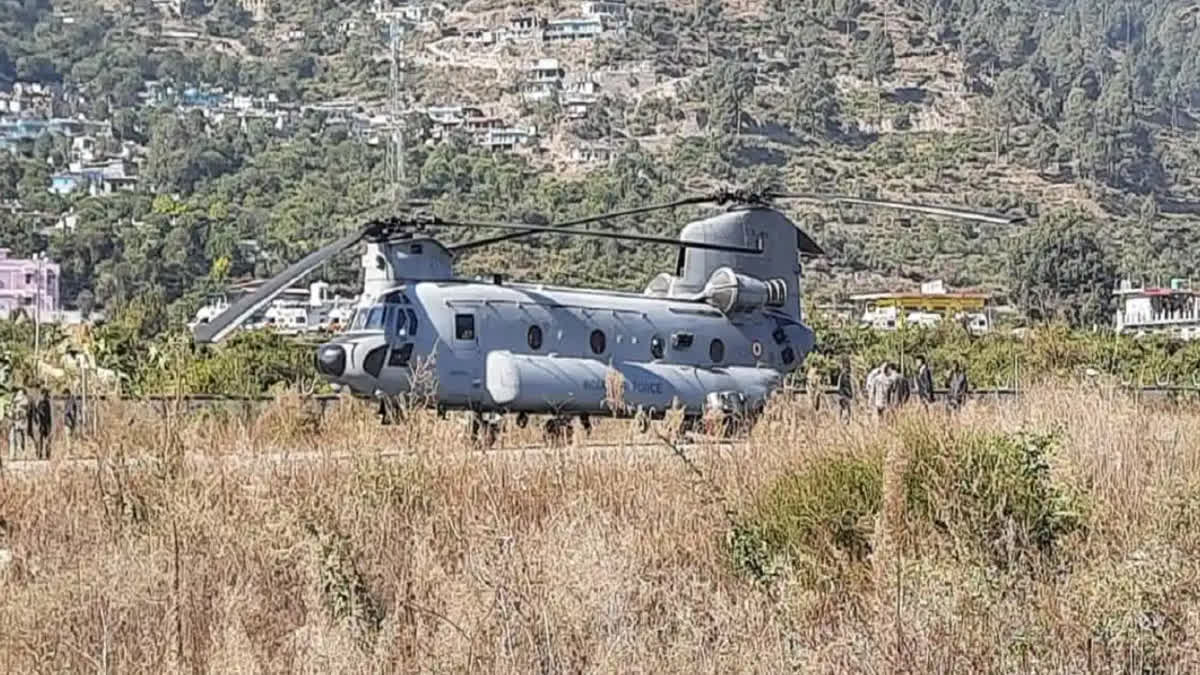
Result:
[[929, 290]]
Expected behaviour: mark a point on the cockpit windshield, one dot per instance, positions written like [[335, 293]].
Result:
[[389, 316]]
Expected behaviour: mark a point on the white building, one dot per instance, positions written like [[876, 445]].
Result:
[[591, 153], [1173, 311], [543, 80], [584, 28], [295, 311], [509, 138], [606, 10]]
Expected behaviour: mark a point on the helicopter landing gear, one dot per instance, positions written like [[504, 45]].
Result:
[[585, 421], [558, 431], [484, 431], [687, 426], [522, 420]]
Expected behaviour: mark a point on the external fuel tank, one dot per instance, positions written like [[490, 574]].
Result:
[[530, 383]]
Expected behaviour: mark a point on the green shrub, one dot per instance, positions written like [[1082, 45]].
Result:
[[987, 498], [818, 520], [991, 494]]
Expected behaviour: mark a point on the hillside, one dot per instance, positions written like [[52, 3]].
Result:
[[1081, 110]]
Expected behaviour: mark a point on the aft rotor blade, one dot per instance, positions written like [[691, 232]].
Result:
[[945, 211], [530, 229], [231, 318], [487, 241]]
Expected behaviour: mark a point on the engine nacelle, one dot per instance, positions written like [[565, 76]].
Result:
[[731, 292]]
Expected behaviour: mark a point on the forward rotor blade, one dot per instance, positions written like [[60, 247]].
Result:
[[530, 229], [487, 241], [231, 318], [945, 211]]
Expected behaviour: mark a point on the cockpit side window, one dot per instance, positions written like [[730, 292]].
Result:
[[412, 322], [396, 319], [464, 326], [396, 298], [375, 317]]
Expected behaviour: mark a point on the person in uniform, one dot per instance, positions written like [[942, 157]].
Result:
[[44, 424], [901, 388], [70, 413], [957, 394], [924, 381], [845, 390]]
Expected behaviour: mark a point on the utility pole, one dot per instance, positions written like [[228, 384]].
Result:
[[40, 258], [396, 126]]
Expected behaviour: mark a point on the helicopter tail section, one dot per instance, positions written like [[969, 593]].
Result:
[[728, 279]]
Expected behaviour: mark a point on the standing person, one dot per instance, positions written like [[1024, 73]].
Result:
[[44, 424], [18, 423], [879, 388], [924, 381], [958, 388], [901, 387], [70, 413], [813, 384], [31, 422], [845, 390]]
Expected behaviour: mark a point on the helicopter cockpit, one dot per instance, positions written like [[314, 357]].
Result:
[[392, 314]]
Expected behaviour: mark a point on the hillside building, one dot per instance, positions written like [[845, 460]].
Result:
[[28, 285], [478, 35], [1150, 310], [509, 138], [583, 28], [605, 10], [543, 80], [99, 178], [591, 153]]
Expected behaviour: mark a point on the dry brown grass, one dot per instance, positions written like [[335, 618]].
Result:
[[458, 560]]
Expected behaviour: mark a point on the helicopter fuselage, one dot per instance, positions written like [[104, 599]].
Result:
[[535, 348]]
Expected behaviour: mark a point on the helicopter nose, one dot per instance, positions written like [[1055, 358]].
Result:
[[331, 360]]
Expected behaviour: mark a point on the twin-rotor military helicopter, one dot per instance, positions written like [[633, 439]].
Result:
[[721, 333]]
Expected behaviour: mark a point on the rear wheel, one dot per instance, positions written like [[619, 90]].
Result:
[[484, 432], [558, 431]]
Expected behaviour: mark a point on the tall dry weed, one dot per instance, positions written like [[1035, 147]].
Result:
[[401, 548]]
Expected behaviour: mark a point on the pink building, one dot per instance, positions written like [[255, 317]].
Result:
[[23, 282]]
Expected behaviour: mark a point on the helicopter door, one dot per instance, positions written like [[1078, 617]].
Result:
[[466, 376]]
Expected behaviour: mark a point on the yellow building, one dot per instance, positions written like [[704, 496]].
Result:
[[928, 306]]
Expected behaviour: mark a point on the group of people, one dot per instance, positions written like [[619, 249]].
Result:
[[887, 388], [31, 420]]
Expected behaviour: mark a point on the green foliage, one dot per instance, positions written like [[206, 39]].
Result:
[[992, 496], [878, 56], [249, 364], [985, 498], [819, 519], [1059, 271], [1001, 359], [343, 586], [1096, 94]]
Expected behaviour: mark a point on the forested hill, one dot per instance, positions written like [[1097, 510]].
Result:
[[1078, 112]]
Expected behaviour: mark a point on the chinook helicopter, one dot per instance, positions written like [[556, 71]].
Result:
[[721, 333]]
